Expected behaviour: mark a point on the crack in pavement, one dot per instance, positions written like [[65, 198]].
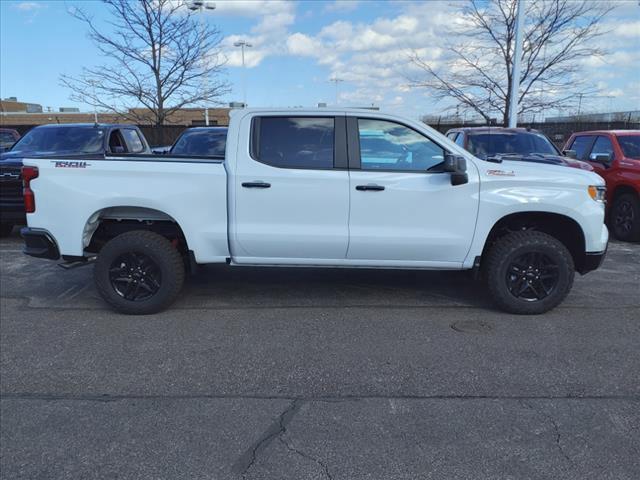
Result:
[[291, 448], [277, 428], [556, 429]]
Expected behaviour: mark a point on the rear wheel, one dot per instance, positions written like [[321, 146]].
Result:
[[6, 229], [625, 217], [139, 272], [529, 272]]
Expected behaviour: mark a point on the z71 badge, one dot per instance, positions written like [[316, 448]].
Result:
[[501, 173], [70, 164]]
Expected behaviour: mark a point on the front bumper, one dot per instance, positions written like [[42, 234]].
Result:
[[592, 261], [39, 243]]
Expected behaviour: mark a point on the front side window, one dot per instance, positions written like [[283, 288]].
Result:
[[295, 142], [460, 140], [387, 145], [134, 141], [602, 146], [581, 146]]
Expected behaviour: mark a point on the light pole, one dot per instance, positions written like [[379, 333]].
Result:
[[515, 71], [336, 80], [200, 6], [243, 44]]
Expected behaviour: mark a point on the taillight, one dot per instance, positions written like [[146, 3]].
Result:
[[28, 174]]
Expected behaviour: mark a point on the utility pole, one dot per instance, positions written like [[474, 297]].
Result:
[[515, 71], [95, 108], [580, 95], [336, 80], [200, 6], [243, 44]]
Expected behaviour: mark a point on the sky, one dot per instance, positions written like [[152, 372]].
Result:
[[297, 48]]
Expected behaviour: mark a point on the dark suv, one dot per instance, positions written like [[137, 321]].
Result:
[[512, 144], [59, 140]]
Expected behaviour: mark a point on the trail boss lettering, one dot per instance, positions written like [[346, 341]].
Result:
[[68, 164]]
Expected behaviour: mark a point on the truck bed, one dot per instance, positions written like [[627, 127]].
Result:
[[190, 191]]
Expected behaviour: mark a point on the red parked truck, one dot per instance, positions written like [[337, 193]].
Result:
[[615, 155]]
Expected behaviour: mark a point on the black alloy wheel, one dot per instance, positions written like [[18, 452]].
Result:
[[623, 217], [135, 276], [532, 276]]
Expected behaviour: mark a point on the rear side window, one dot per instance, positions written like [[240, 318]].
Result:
[[133, 140], [294, 142], [581, 146]]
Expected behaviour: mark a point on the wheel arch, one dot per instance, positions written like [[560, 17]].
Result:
[[109, 222], [564, 228]]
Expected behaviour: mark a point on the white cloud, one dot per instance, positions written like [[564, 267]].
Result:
[[342, 6], [29, 6], [627, 29]]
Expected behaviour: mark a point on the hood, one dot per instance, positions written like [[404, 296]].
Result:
[[545, 159], [538, 173]]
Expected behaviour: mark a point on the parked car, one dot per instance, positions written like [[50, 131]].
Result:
[[515, 143], [198, 142], [340, 188], [8, 136], [615, 155], [68, 140]]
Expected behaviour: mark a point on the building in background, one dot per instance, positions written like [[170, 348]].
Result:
[[15, 113]]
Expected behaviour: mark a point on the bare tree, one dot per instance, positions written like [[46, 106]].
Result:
[[157, 59], [476, 72]]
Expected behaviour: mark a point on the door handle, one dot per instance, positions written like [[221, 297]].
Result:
[[373, 188], [256, 185]]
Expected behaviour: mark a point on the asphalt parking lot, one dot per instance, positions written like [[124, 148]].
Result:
[[311, 374]]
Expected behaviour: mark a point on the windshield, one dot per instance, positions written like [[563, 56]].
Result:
[[484, 145], [203, 143], [630, 145], [61, 139], [6, 139]]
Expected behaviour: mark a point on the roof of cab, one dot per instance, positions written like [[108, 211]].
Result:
[[87, 125]]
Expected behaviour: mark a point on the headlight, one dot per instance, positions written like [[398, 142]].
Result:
[[598, 193]]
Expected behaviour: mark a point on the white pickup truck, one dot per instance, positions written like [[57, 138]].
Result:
[[318, 187]]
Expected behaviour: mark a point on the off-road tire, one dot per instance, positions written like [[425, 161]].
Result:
[[507, 250], [167, 259], [631, 204]]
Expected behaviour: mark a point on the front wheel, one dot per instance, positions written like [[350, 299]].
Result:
[[529, 272], [625, 218], [139, 272]]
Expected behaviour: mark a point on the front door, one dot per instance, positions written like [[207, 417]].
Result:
[[292, 200], [403, 206]]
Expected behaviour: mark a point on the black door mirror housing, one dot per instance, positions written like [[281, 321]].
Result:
[[456, 165], [570, 154]]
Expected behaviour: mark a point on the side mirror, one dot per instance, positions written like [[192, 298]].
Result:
[[570, 154], [457, 167], [117, 149], [604, 158]]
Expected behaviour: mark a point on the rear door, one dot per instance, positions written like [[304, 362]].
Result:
[[404, 209], [291, 190]]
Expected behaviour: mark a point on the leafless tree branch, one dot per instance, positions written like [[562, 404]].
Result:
[[476, 74]]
